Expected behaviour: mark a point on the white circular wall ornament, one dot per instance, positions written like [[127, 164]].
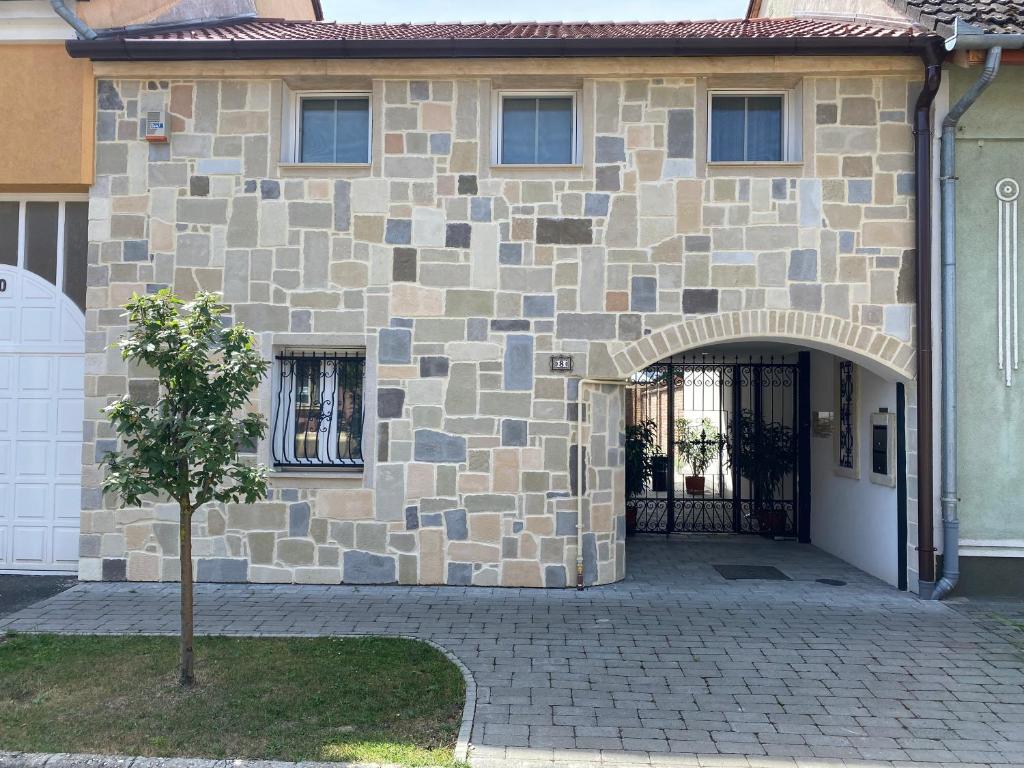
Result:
[[1007, 190]]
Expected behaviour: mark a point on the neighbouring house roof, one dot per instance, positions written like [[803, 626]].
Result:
[[266, 38], [991, 15]]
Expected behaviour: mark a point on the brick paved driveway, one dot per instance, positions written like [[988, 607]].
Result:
[[675, 666]]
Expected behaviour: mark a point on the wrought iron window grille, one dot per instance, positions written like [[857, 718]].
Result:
[[317, 419]]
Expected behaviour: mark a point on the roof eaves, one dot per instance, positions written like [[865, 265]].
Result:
[[127, 49]]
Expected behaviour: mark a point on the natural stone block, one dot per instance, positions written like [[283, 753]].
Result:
[[700, 301], [390, 401], [539, 306], [298, 519], [680, 133], [469, 303], [439, 447], [805, 296], [608, 178], [458, 236], [394, 346], [219, 570], [404, 265], [514, 432], [555, 577], [460, 574], [398, 231], [596, 204], [644, 294], [455, 524], [859, 111], [610, 149], [803, 264], [367, 568], [570, 325], [296, 551], [518, 362], [433, 366], [510, 253], [564, 231], [428, 227]]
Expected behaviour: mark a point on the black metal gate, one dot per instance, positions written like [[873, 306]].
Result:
[[744, 418]]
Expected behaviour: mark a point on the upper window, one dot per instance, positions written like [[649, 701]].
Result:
[[751, 128], [536, 129], [51, 240], [333, 129], [318, 409]]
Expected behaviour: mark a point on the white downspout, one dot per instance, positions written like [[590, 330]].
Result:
[[581, 399]]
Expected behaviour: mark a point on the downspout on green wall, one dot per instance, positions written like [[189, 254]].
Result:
[[965, 37]]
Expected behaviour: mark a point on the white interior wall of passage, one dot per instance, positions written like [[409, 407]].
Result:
[[855, 520]]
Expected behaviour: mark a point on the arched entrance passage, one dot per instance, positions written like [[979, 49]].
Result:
[[890, 357], [824, 399]]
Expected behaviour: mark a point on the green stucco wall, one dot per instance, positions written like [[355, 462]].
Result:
[[990, 147]]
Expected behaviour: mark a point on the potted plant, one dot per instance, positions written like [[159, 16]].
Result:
[[764, 454], [641, 445], [699, 443]]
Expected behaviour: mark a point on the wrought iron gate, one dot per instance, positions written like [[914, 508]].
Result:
[[744, 415]]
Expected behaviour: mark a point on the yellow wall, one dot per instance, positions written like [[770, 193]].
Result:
[[285, 9], [46, 126]]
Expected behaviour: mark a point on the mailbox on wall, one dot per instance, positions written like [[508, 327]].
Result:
[[883, 448]]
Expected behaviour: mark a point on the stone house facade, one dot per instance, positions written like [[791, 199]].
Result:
[[454, 279]]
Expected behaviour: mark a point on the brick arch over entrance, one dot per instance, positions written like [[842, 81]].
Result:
[[870, 347]]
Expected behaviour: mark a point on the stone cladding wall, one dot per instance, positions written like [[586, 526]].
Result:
[[460, 279]]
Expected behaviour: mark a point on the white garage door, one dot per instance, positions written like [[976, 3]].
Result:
[[41, 384]]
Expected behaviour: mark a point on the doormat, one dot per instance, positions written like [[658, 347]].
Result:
[[832, 582], [763, 572]]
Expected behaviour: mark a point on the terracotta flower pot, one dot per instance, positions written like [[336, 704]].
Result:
[[695, 485]]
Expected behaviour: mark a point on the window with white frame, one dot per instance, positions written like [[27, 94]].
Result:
[[536, 128], [331, 128], [49, 238], [753, 127], [317, 410]]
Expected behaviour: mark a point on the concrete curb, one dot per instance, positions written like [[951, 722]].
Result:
[[461, 751], [30, 760]]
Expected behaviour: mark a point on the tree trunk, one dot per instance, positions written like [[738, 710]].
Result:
[[188, 677]]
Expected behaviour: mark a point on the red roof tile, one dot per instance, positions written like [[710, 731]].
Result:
[[767, 28]]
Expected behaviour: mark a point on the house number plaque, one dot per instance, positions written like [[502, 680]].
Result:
[[561, 363]]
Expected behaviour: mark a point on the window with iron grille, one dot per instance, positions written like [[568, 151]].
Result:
[[318, 409]]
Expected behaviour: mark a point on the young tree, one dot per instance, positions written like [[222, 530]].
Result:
[[186, 445]]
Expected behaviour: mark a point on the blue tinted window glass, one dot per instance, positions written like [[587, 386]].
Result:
[[536, 130], [317, 131], [764, 128], [519, 131], [352, 138], [335, 131], [554, 128], [728, 114]]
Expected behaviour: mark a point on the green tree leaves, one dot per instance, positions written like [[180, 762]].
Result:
[[186, 445]]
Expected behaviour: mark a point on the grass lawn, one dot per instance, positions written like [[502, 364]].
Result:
[[345, 699]]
